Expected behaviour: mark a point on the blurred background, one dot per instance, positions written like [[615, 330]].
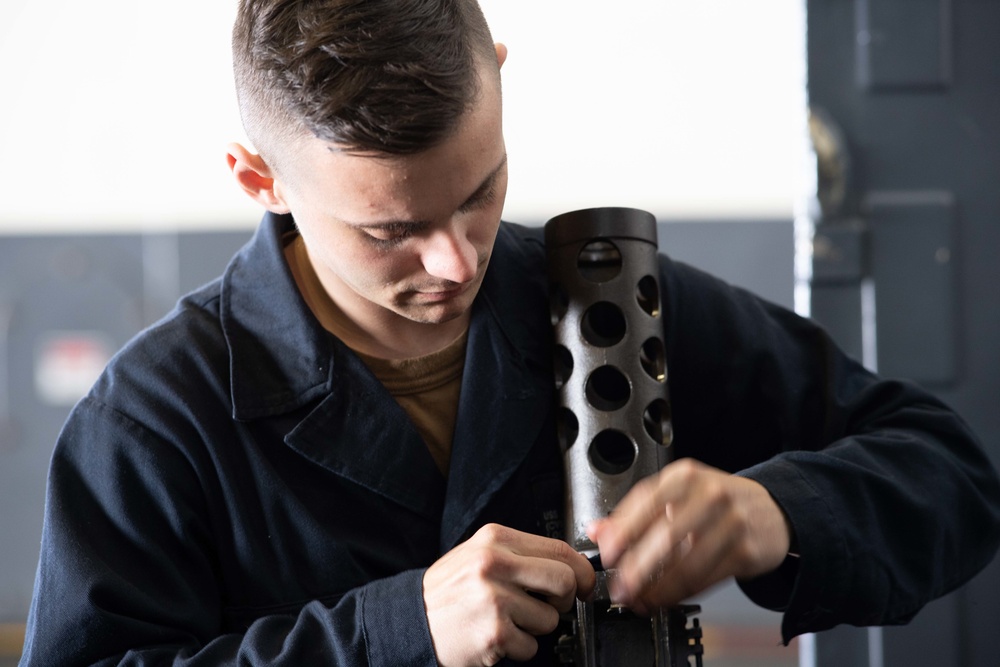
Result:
[[836, 156]]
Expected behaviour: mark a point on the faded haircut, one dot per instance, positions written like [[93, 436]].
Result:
[[390, 77]]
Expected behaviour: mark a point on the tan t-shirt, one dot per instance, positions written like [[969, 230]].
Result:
[[428, 389]]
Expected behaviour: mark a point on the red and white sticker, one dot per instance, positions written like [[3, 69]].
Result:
[[67, 363]]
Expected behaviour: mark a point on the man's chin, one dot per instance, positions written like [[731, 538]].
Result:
[[433, 311], [438, 314]]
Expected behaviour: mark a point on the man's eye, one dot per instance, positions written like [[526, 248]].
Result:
[[481, 200], [389, 235]]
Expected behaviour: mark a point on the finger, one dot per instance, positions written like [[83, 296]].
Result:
[[685, 489], [643, 564], [518, 618], [531, 614], [736, 529], [546, 549], [508, 641], [706, 518], [705, 511], [703, 560], [539, 564], [639, 508], [552, 580], [645, 504], [522, 647]]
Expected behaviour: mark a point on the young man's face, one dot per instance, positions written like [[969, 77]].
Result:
[[407, 236]]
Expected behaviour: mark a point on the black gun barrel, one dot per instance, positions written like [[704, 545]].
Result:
[[614, 420]]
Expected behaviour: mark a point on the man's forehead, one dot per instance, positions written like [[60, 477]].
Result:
[[371, 195]]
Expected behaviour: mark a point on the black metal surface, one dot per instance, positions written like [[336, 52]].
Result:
[[614, 424]]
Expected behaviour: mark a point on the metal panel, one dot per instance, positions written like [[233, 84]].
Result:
[[840, 265], [837, 308], [843, 646], [912, 253], [69, 304], [903, 45], [755, 254], [933, 635], [203, 256]]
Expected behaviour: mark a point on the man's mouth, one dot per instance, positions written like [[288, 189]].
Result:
[[441, 293]]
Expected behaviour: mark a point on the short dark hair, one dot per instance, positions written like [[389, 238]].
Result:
[[382, 76]]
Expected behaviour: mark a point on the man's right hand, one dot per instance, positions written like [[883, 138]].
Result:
[[489, 597]]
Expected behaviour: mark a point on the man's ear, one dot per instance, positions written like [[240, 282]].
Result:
[[501, 50], [255, 178]]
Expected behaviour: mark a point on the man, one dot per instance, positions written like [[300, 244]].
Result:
[[343, 451]]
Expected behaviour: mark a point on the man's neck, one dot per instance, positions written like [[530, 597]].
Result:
[[383, 334]]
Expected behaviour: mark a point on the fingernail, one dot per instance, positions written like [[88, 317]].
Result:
[[592, 529], [617, 590]]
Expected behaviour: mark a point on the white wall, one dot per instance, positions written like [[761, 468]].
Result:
[[114, 114]]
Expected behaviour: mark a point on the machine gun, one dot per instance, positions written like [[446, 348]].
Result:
[[613, 420]]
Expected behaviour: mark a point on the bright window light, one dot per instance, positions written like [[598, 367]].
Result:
[[116, 114]]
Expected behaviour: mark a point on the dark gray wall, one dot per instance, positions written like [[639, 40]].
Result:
[[89, 291], [913, 86]]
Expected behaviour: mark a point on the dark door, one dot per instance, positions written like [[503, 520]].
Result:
[[906, 101]]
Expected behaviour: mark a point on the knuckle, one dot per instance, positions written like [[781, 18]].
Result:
[[650, 491], [562, 606], [687, 469], [566, 580], [563, 583], [717, 496], [492, 656], [713, 496], [550, 620], [496, 608], [488, 563], [562, 551], [492, 533], [496, 638]]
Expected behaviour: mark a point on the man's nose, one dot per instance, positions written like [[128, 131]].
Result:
[[451, 256]]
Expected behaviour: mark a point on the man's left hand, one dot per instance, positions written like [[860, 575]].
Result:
[[686, 528]]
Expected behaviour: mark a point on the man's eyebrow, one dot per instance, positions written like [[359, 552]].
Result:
[[479, 192]]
